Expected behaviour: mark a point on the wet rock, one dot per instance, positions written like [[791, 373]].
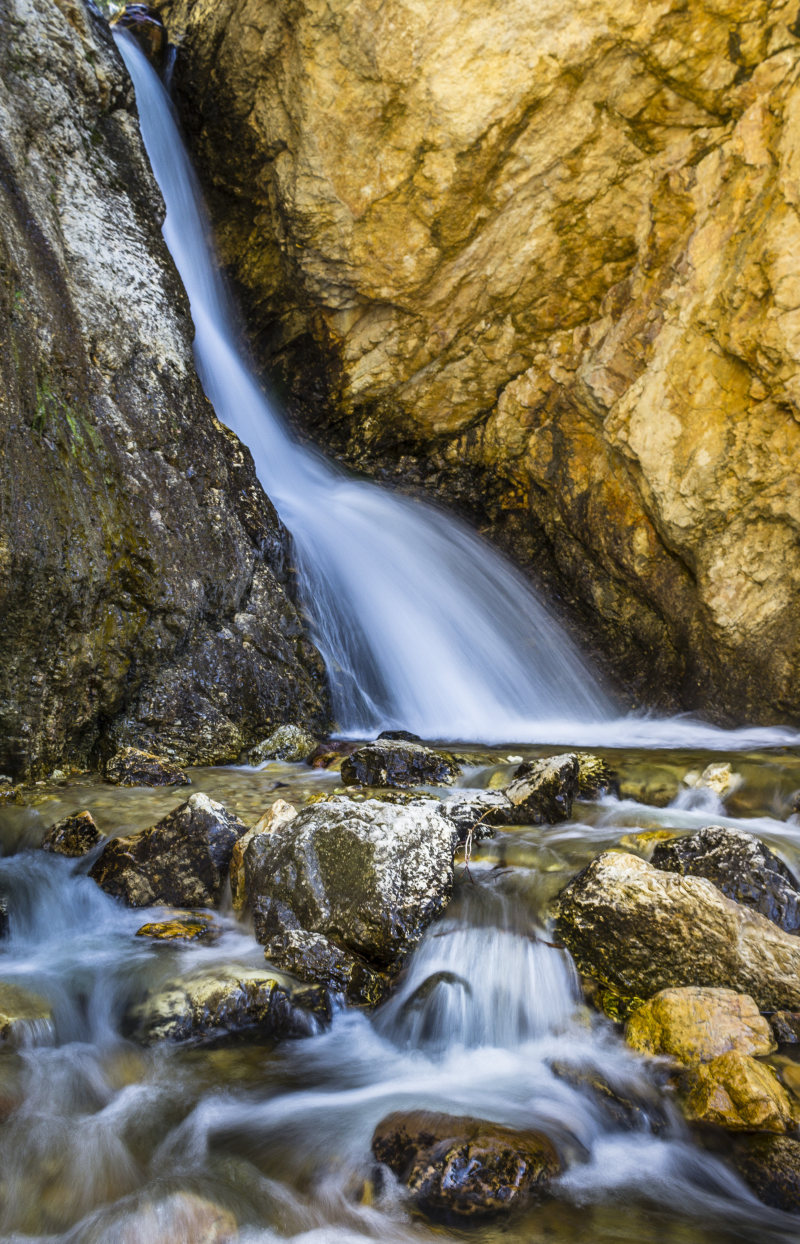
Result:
[[10, 795], [771, 1166], [24, 1016], [477, 811], [74, 836], [741, 866], [632, 1107], [396, 763], [180, 1218], [369, 875], [399, 736], [543, 790], [645, 843], [130, 766], [223, 1003], [718, 777], [595, 776], [464, 1168], [313, 958], [736, 1092], [147, 29], [289, 743], [280, 813], [3, 917], [182, 861], [640, 930], [696, 1025], [786, 1027], [330, 755], [182, 927]]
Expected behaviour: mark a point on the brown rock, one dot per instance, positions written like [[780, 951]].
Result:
[[74, 835], [786, 1027], [738, 1093], [189, 927], [696, 1025], [465, 1168], [132, 767], [397, 762], [543, 790]]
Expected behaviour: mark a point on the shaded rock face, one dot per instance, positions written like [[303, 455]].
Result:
[[314, 958], [398, 762], [549, 278], [771, 1166], [183, 861], [131, 523], [465, 1168], [132, 767], [368, 876], [639, 930], [741, 866]]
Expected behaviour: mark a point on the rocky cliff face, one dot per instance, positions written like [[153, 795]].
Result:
[[142, 569], [541, 258]]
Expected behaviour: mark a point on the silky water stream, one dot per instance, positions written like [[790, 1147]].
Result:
[[104, 1141]]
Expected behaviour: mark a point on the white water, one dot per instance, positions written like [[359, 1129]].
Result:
[[421, 624]]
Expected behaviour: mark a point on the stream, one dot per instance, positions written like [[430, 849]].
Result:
[[424, 627]]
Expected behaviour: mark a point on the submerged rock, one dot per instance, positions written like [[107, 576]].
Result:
[[130, 766], [182, 861], [464, 1168], [738, 1093], [640, 930], [290, 743], [634, 1107], [25, 1018], [370, 876], [771, 1166], [74, 836], [180, 1218], [696, 1025], [312, 957], [740, 866], [543, 790], [477, 811], [225, 1002], [389, 762]]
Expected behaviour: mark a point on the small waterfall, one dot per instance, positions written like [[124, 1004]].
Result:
[[421, 624]]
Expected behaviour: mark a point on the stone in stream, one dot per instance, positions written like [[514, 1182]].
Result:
[[182, 926], [279, 814], [786, 1027], [477, 811], [595, 776], [696, 1025], [179, 1218], [737, 1092], [741, 866], [771, 1166], [640, 930], [390, 762], [465, 1168], [182, 861], [74, 836], [229, 1000], [131, 766], [289, 743], [368, 875], [23, 1015], [543, 790], [312, 957]]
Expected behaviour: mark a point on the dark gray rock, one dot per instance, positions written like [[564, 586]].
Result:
[[543, 790], [463, 1168], [312, 957], [771, 1166], [132, 767], [786, 1027], [741, 866], [183, 861], [75, 835], [370, 876], [131, 521], [223, 1003], [389, 762]]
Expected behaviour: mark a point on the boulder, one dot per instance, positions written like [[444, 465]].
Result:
[[187, 926], [182, 861], [477, 811], [771, 1166], [280, 813], [130, 766], [543, 790], [740, 866], [696, 1025], [74, 836], [464, 1168], [223, 1003], [390, 762], [738, 1093], [640, 930], [24, 1016], [368, 875], [314, 958], [289, 743]]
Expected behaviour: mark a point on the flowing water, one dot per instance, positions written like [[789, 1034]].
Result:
[[422, 626]]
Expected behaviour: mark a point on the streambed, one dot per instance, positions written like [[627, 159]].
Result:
[[101, 1135]]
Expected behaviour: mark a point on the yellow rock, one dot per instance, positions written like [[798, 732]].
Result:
[[737, 1092], [696, 1025], [190, 928], [646, 841]]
